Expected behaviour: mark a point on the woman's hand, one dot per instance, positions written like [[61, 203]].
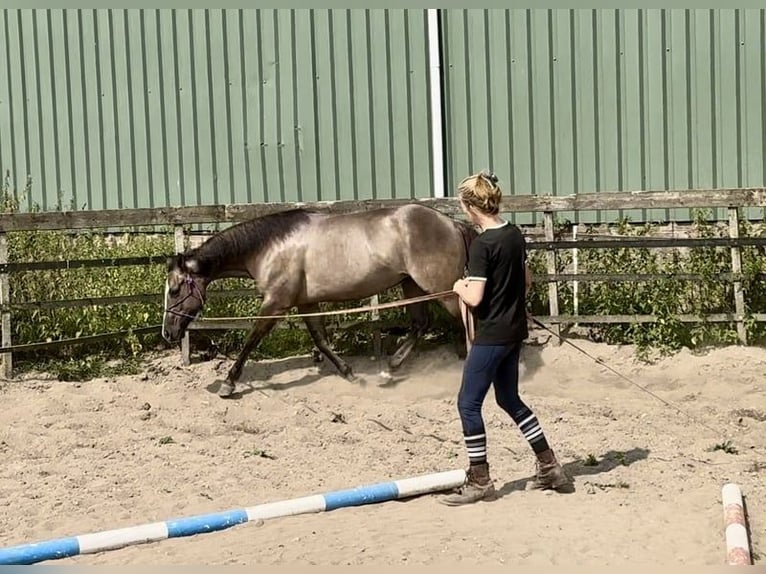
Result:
[[471, 292], [460, 286]]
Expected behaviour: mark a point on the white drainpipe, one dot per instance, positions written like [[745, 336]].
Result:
[[436, 103]]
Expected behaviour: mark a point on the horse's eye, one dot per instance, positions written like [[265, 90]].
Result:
[[175, 291]]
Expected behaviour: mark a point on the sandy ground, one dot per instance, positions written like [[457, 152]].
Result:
[[80, 458]]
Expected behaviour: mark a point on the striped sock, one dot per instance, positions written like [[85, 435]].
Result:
[[532, 431], [476, 445]]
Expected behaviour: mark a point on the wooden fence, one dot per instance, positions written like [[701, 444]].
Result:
[[177, 217]]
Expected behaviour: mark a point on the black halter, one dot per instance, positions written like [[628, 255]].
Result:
[[194, 290]]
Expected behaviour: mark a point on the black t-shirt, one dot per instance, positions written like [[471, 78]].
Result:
[[498, 256]]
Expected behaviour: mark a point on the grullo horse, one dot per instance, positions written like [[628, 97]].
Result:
[[300, 258]]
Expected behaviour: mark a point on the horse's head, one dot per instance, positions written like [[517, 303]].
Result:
[[184, 296]]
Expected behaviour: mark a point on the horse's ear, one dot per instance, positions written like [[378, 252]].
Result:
[[192, 266], [175, 261]]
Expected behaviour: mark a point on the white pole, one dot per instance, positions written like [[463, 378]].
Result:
[[95, 542], [737, 543], [436, 102]]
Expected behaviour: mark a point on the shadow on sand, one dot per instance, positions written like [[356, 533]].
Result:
[[255, 375], [606, 463]]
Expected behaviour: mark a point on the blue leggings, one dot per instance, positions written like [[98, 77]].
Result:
[[484, 366]]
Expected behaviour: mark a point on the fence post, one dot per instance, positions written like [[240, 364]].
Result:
[[180, 246], [553, 287], [575, 270], [5, 299], [736, 268]]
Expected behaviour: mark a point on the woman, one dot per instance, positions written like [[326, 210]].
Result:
[[495, 291]]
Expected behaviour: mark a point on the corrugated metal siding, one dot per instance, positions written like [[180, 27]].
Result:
[[142, 108], [575, 101]]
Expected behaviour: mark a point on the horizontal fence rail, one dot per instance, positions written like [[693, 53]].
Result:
[[584, 243], [222, 293], [176, 218], [234, 213]]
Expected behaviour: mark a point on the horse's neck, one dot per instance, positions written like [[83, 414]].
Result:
[[229, 273], [226, 257], [224, 269]]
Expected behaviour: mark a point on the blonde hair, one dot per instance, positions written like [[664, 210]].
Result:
[[481, 192]]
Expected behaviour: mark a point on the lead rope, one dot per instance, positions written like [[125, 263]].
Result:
[[466, 314], [602, 363], [468, 324]]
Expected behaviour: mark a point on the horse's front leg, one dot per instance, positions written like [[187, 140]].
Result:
[[262, 328]]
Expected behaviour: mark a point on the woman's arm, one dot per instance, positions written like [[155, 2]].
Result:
[[470, 291]]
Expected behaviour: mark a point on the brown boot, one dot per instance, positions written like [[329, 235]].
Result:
[[478, 486], [550, 474]]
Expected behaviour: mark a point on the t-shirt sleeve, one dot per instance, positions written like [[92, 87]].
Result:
[[478, 262]]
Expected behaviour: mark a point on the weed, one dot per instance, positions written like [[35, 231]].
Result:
[[256, 452], [245, 428], [590, 460], [726, 447]]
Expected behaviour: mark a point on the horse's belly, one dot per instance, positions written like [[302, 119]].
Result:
[[342, 287], [347, 278]]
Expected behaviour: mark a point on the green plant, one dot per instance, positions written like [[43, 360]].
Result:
[[726, 447], [590, 460], [664, 298]]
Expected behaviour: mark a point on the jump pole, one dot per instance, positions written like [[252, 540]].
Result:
[[58, 548], [737, 545]]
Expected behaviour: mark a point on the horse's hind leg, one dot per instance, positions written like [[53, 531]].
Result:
[[318, 334], [420, 321]]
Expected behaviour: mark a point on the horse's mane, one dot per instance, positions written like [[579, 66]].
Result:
[[247, 238]]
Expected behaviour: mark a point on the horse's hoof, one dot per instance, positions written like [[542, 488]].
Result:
[[225, 390], [349, 376]]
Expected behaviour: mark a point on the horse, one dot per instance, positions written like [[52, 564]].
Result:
[[301, 257]]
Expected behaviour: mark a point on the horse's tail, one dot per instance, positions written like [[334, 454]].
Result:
[[468, 232]]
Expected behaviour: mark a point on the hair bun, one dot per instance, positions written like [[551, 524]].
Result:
[[489, 176]]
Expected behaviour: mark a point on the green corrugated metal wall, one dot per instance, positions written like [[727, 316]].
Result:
[[141, 108], [567, 101], [134, 108]]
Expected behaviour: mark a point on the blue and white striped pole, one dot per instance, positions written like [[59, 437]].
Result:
[[113, 539]]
